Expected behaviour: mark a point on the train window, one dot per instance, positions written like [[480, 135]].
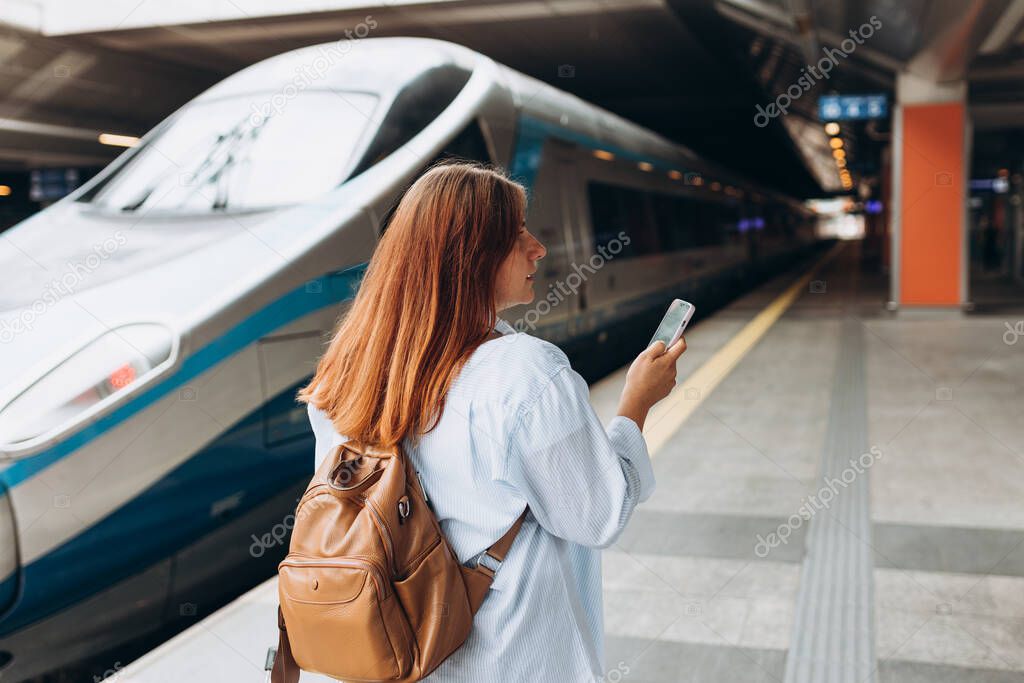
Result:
[[659, 222], [604, 213], [689, 210], [227, 154], [413, 109], [635, 208], [729, 219], [615, 209], [468, 145], [709, 226], [674, 217]]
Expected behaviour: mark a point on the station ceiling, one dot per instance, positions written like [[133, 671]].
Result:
[[693, 70]]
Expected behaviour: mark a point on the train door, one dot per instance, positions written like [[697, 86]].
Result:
[[550, 217], [575, 230], [631, 270]]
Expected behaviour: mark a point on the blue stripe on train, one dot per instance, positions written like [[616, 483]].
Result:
[[533, 132]]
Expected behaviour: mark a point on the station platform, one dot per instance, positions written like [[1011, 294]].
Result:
[[838, 498]]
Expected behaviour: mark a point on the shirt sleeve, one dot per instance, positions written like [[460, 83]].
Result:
[[323, 430], [580, 481]]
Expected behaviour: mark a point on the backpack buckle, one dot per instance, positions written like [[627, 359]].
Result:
[[489, 563], [404, 508]]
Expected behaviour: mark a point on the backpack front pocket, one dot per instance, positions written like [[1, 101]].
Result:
[[343, 619], [434, 596]]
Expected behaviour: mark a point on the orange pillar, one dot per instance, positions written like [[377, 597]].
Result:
[[929, 181]]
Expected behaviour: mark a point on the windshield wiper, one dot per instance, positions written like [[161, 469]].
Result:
[[232, 146]]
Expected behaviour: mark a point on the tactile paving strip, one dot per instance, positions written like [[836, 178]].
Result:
[[833, 637]]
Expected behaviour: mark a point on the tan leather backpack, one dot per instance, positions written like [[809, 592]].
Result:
[[370, 589]]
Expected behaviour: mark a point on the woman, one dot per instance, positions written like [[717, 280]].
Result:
[[493, 420]]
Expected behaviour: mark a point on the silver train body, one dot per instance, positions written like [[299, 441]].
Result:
[[155, 324]]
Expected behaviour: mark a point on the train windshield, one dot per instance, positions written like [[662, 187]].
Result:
[[242, 153]]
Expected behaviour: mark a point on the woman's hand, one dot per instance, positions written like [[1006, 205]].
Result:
[[649, 379]]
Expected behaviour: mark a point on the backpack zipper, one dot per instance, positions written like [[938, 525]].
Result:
[[385, 533], [375, 571]]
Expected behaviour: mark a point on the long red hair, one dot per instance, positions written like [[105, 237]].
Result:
[[426, 302]]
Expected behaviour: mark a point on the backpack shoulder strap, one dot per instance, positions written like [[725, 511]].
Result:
[[479, 578], [286, 669], [501, 547]]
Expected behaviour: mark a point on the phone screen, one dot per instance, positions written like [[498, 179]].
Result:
[[669, 329]]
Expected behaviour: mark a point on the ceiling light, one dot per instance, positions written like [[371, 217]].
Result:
[[118, 140]]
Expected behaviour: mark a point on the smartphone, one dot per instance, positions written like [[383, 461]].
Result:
[[674, 322]]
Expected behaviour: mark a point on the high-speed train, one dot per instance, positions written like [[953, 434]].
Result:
[[156, 323]]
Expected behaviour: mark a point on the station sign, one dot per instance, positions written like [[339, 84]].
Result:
[[997, 185], [52, 183], [852, 107]]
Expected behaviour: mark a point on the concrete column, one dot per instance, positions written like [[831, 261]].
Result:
[[931, 165]]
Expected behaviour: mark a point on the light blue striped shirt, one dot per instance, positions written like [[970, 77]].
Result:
[[518, 429]]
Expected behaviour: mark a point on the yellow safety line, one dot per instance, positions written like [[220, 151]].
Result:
[[670, 413]]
